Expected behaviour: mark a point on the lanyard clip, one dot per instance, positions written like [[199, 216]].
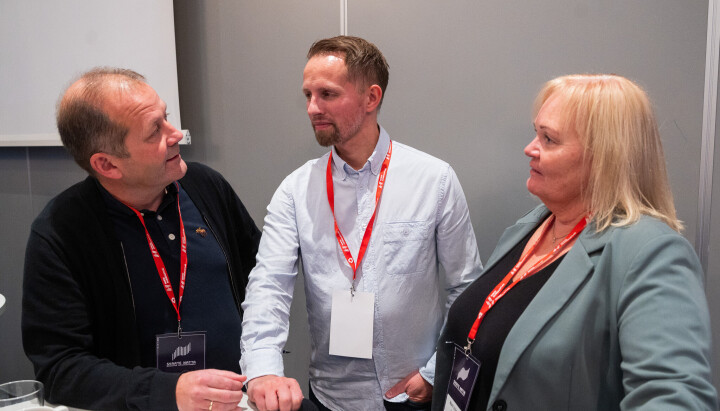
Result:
[[468, 346], [352, 290], [179, 330]]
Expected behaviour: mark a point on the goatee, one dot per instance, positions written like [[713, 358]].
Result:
[[327, 138]]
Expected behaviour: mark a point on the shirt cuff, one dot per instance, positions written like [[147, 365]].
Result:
[[265, 361], [428, 371]]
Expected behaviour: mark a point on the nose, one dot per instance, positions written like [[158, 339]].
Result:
[[312, 106], [532, 149], [174, 135]]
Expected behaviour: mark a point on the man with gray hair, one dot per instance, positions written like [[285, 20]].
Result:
[[134, 277], [372, 221]]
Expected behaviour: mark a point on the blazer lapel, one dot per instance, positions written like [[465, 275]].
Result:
[[572, 272], [513, 234]]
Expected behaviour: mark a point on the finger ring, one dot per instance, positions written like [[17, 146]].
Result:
[[210, 407]]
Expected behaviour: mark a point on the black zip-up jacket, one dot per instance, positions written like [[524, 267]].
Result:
[[78, 320]]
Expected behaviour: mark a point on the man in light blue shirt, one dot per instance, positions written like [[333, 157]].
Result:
[[418, 221]]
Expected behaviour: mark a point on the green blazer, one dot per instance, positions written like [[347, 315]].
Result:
[[622, 323]]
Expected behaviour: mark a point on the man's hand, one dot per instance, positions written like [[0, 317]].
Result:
[[196, 390], [415, 386], [271, 393]]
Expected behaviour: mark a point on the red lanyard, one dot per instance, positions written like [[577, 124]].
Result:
[[162, 272], [368, 231], [503, 287]]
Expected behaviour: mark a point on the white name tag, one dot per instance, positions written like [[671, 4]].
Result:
[[351, 324]]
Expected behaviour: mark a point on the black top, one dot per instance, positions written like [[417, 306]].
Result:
[[79, 324], [207, 303], [494, 328]]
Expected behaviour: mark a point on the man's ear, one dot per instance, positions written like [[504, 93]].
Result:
[[374, 97], [105, 165]]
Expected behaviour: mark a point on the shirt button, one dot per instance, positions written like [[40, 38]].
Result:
[[171, 236], [159, 217]]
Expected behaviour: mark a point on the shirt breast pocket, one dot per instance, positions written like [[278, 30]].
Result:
[[406, 247]]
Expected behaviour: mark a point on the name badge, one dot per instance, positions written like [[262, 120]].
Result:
[[186, 353], [351, 324], [464, 373]]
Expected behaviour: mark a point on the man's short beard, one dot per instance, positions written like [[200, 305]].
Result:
[[334, 135], [327, 138]]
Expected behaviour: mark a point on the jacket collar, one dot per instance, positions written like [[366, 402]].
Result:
[[569, 276]]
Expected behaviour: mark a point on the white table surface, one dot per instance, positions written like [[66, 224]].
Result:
[[245, 405]]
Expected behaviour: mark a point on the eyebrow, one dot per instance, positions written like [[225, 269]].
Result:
[[543, 127], [163, 112], [325, 85]]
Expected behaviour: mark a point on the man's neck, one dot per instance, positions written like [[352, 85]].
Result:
[[357, 150], [139, 199]]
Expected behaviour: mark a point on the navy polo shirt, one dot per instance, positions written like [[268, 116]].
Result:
[[208, 303]]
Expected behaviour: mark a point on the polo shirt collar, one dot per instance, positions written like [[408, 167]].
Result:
[[116, 206]]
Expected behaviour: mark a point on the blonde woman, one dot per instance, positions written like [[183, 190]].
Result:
[[593, 300]]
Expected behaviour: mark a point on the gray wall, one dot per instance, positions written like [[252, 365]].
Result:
[[30, 178], [463, 76]]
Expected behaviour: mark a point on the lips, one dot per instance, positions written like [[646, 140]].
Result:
[[173, 158], [321, 124], [320, 121], [534, 170]]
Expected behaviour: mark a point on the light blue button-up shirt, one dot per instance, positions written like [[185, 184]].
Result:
[[422, 223]]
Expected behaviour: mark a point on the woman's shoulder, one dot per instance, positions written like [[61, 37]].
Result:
[[644, 230], [642, 243]]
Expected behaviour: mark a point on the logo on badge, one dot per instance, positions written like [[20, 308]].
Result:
[[181, 351], [463, 374]]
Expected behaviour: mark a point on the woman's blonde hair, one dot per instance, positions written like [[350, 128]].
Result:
[[615, 122]]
